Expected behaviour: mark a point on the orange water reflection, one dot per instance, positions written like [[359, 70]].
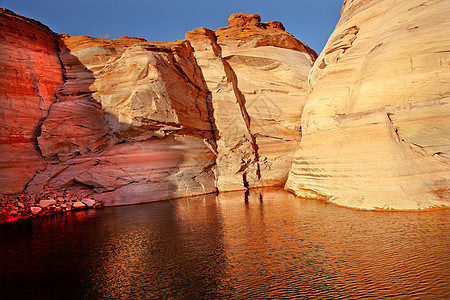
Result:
[[271, 246]]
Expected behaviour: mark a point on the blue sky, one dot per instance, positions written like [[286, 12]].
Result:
[[310, 21]]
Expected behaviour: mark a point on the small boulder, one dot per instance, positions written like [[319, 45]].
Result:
[[78, 205], [35, 210], [243, 19], [47, 203], [88, 202]]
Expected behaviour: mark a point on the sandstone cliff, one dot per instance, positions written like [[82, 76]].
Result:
[[131, 123], [256, 74], [128, 121], [30, 73], [375, 129]]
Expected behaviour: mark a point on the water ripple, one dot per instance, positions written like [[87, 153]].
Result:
[[222, 248]]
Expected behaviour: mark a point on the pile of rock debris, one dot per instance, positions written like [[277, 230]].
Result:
[[26, 205]]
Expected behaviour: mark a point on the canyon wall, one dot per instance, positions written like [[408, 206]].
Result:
[[256, 74], [127, 121], [124, 121], [130, 125], [375, 129], [30, 73]]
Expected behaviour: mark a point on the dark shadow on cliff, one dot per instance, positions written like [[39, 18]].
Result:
[[85, 156]]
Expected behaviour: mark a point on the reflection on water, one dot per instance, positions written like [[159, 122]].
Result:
[[273, 246]]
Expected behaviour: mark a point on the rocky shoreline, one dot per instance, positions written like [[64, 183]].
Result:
[[14, 207]]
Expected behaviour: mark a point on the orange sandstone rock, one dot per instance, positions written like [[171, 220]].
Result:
[[247, 30], [30, 74], [131, 124]]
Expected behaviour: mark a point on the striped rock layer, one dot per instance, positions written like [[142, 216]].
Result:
[[375, 129], [127, 121]]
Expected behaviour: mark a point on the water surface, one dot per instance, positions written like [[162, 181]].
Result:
[[273, 246]]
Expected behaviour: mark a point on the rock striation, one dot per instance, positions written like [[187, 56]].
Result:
[[130, 125], [30, 74], [127, 121], [256, 109], [375, 129]]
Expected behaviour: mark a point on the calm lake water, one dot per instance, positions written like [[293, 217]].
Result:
[[273, 246]]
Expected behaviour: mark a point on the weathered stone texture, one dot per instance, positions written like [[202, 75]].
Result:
[[30, 72], [375, 128], [256, 74], [131, 123]]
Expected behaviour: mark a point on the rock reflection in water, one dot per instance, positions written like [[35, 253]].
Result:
[[272, 246]]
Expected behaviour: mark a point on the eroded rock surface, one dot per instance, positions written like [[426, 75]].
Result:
[[273, 83], [30, 73], [256, 75], [135, 121], [127, 121], [376, 131], [131, 123]]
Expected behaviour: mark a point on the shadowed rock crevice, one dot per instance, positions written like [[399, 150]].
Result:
[[233, 145], [240, 99]]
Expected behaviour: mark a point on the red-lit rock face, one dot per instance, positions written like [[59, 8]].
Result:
[[30, 73], [133, 121], [129, 124]]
